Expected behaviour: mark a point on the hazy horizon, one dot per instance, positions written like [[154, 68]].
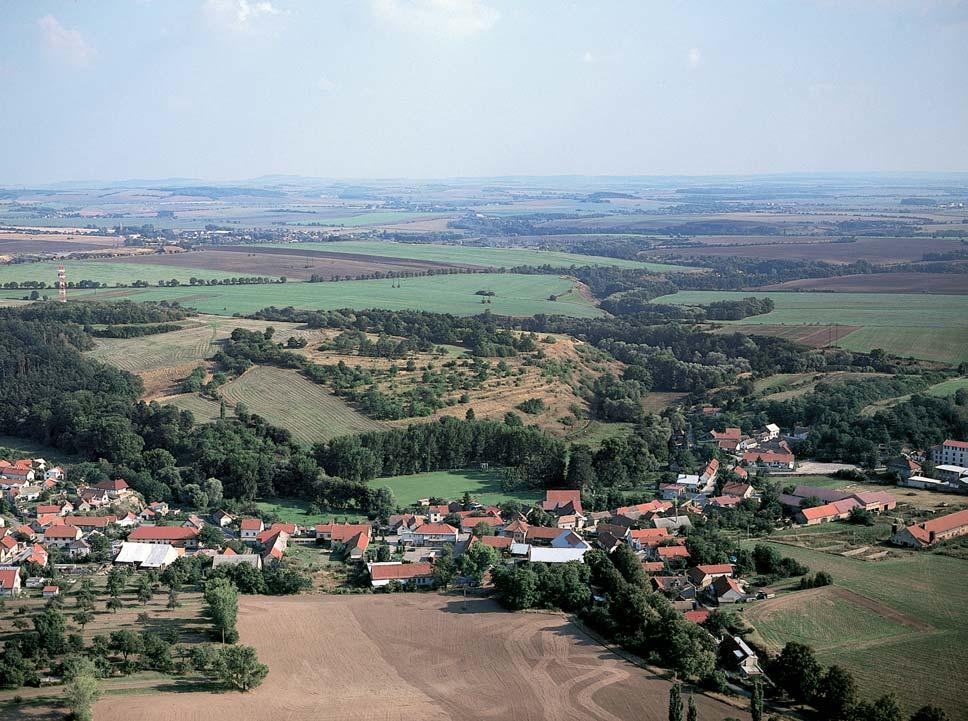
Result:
[[234, 90]]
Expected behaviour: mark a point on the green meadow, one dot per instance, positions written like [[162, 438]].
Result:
[[484, 487]]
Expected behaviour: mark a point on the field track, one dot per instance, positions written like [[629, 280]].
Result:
[[401, 657]]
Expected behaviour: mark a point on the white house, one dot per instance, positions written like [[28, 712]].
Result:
[[416, 574]]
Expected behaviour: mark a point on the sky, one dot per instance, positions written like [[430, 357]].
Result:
[[234, 89]]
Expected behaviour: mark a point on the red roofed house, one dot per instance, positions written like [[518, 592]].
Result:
[[249, 528], [357, 545], [710, 472], [641, 509], [468, 523], [416, 574], [275, 543], [740, 472], [779, 460], [721, 502], [517, 530], [565, 503], [728, 590], [88, 523], [50, 591], [672, 554], [58, 509], [819, 514], [647, 537], [433, 534], [38, 554], [729, 434], [653, 566], [703, 576], [697, 616], [9, 547], [501, 543], [9, 581], [341, 532], [21, 470], [928, 533], [115, 489], [177, 536], [743, 490], [61, 536], [290, 528]]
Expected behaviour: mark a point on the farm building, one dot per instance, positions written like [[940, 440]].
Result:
[[175, 535], [237, 559], [950, 452], [416, 574], [431, 534], [537, 554], [249, 528], [928, 533], [9, 581], [703, 576], [147, 555], [777, 460]]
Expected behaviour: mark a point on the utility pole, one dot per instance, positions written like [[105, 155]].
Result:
[[61, 284]]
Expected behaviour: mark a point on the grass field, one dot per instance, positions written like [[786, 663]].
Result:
[[903, 632], [515, 295], [288, 400], [484, 487], [204, 409], [931, 327], [471, 255], [106, 272], [292, 510], [24, 448], [948, 387]]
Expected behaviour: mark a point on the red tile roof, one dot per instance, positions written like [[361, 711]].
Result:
[[828, 510], [251, 524], [162, 533], [400, 572], [90, 521], [768, 457], [499, 542], [8, 577], [652, 566], [714, 568], [342, 532], [956, 444], [62, 532], [433, 529], [672, 552], [115, 485], [922, 531], [696, 616], [649, 534]]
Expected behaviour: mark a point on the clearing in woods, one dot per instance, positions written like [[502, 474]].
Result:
[[901, 627], [393, 657], [484, 487], [288, 400]]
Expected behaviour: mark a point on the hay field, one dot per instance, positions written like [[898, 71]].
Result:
[[471, 255], [113, 273], [516, 295], [288, 400], [943, 283], [400, 657], [484, 487], [903, 626]]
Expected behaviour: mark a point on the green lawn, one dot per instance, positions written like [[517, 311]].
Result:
[[484, 487], [948, 387], [105, 272], [292, 510], [471, 255], [932, 327], [921, 666], [24, 448], [515, 295]]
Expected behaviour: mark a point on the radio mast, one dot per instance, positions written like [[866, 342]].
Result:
[[61, 284]]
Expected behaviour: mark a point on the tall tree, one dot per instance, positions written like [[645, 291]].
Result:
[[756, 701], [238, 667], [692, 713], [675, 703], [81, 690]]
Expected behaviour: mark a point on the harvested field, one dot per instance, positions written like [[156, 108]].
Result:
[[815, 336], [50, 243], [952, 283], [122, 271], [203, 408], [288, 400], [393, 658], [876, 250], [291, 261]]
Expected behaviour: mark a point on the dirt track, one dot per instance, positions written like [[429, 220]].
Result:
[[418, 656]]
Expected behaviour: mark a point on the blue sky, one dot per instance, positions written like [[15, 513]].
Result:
[[230, 89]]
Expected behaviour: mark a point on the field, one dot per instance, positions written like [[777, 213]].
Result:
[[204, 409], [896, 624], [43, 243], [515, 295], [943, 283], [484, 487], [288, 400], [471, 255], [110, 272], [24, 448], [394, 658], [293, 510], [931, 327]]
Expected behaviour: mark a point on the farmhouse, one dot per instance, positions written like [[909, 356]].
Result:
[[115, 489], [61, 536], [433, 534], [727, 590], [777, 460], [9, 581], [415, 574], [222, 519], [641, 539], [950, 452], [341, 532], [703, 576], [249, 528], [928, 533], [237, 559], [89, 523]]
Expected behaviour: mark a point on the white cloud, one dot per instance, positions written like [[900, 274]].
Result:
[[69, 44], [325, 85], [239, 15], [588, 57], [458, 18], [694, 57]]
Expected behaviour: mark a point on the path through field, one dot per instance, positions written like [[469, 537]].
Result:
[[419, 656]]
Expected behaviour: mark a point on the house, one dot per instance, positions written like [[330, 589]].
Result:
[[147, 515], [469, 523], [274, 544], [742, 490], [249, 528], [500, 543], [704, 575], [768, 432], [21, 470], [671, 491], [677, 587], [403, 522], [944, 472], [26, 494], [357, 545], [741, 656], [950, 452], [777, 460], [341, 532], [433, 534], [61, 536], [727, 590], [129, 520], [92, 498], [147, 555], [672, 523], [57, 509], [643, 538], [9, 581], [740, 472], [90, 523], [177, 536], [237, 559], [25, 531], [222, 519], [729, 434], [819, 514], [50, 591], [413, 574], [641, 509], [55, 473], [543, 536], [903, 467], [538, 554], [9, 547], [565, 503], [722, 502], [34, 553], [672, 554], [928, 533], [710, 471], [653, 566], [79, 549], [116, 489]]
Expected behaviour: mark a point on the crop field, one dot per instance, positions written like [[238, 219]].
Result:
[[393, 657], [515, 295], [815, 336], [203, 408], [288, 400], [124, 272], [896, 624], [12, 243], [484, 487], [472, 255], [931, 327], [943, 283]]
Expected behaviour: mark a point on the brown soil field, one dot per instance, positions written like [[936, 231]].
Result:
[[815, 336], [399, 657], [875, 250], [50, 243], [292, 263], [944, 283]]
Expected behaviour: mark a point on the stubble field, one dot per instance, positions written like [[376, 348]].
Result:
[[404, 656]]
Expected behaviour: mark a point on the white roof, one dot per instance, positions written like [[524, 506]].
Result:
[[687, 480], [253, 559], [147, 555], [960, 470], [555, 555], [923, 479], [520, 549], [161, 555]]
